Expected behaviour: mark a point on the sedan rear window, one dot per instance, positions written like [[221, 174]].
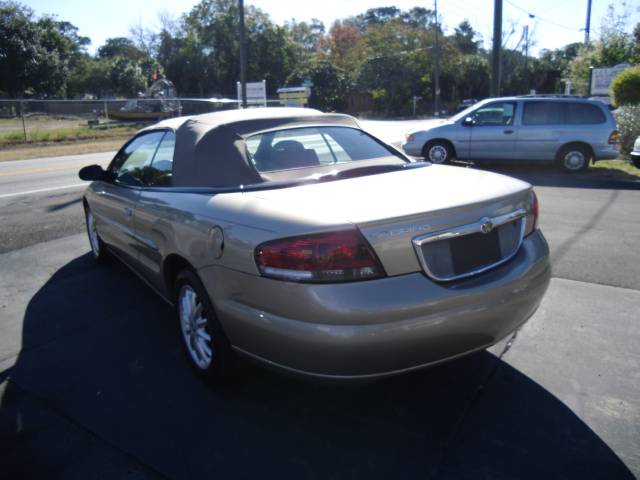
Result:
[[314, 147]]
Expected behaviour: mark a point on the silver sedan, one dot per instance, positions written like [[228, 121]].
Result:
[[296, 239]]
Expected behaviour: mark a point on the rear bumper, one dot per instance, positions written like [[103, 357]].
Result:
[[377, 328], [606, 152]]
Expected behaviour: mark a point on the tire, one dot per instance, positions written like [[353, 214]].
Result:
[[574, 158], [635, 159], [205, 344], [437, 151], [98, 247]]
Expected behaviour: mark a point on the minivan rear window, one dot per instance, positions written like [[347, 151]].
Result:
[[556, 113], [584, 113]]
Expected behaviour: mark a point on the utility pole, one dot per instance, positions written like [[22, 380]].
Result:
[[497, 46], [587, 26], [526, 57], [243, 60], [436, 96]]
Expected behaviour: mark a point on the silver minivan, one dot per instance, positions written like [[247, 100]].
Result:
[[571, 131]]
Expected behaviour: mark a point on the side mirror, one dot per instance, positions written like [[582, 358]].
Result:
[[92, 173], [468, 122]]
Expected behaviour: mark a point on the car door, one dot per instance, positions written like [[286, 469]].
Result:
[[153, 215], [115, 200], [493, 131], [543, 126]]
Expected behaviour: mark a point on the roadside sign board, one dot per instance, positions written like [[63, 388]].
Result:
[[256, 93], [601, 78], [294, 96]]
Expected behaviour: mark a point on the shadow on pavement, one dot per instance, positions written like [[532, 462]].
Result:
[[548, 175], [101, 348]]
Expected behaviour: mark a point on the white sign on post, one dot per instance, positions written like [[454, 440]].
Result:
[[256, 93], [601, 78]]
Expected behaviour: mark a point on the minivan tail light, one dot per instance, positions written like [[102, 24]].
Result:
[[343, 256], [614, 138], [532, 215]]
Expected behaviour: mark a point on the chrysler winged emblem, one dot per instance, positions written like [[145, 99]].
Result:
[[486, 226]]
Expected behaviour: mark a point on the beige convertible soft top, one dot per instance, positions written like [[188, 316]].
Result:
[[210, 149]]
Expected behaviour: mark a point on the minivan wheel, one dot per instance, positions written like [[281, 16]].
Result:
[[98, 247], [437, 151], [205, 343], [574, 158]]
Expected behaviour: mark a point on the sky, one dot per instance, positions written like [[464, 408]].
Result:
[[555, 23]]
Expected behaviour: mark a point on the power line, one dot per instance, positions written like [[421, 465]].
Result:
[[537, 17]]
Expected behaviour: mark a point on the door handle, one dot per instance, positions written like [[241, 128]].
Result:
[[508, 132], [128, 212]]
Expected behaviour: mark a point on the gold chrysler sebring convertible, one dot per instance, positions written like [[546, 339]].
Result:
[[296, 239]]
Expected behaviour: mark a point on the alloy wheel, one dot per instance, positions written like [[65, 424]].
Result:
[[93, 234], [194, 326]]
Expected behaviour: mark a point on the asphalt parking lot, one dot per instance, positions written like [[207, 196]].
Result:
[[93, 383]]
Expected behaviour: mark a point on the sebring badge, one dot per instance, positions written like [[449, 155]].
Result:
[[486, 226]]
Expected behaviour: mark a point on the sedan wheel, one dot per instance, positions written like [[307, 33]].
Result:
[[205, 343], [194, 326], [98, 248]]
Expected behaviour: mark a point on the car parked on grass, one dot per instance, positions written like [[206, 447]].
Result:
[[570, 131], [296, 239]]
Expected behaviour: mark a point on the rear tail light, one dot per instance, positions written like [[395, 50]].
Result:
[[409, 137], [343, 256], [614, 138], [532, 215]]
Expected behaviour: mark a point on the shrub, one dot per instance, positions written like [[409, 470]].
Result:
[[628, 119], [625, 87]]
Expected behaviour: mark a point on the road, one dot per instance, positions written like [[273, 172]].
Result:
[[99, 384], [40, 198]]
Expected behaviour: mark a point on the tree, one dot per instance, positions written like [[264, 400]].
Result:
[[307, 36], [396, 65], [465, 38], [207, 49], [120, 47], [614, 46], [472, 79], [343, 44], [331, 84], [625, 87], [25, 64], [635, 50]]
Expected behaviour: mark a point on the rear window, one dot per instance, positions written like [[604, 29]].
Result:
[[314, 147], [554, 113], [584, 113]]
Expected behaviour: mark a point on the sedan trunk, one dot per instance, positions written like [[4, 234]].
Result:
[[394, 210]]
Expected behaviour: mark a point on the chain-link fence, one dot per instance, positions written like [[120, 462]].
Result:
[[33, 121]]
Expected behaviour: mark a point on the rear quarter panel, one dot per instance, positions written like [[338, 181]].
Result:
[[171, 223]]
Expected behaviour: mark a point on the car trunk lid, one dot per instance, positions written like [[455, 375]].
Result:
[[393, 209]]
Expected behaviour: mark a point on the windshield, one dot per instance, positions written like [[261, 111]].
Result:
[[313, 147], [465, 113]]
